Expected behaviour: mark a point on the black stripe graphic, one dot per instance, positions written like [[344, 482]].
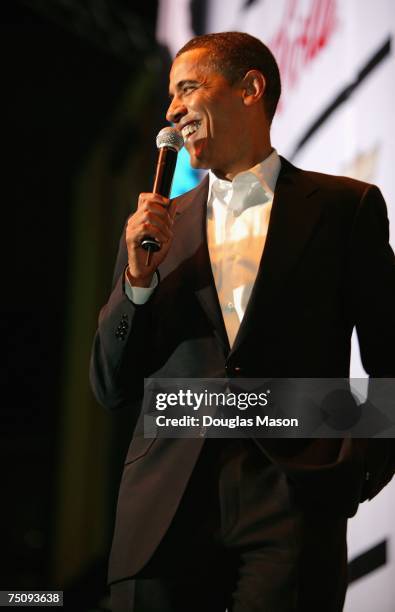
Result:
[[367, 562], [198, 16], [377, 57]]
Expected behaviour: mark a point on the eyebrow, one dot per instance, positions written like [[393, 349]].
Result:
[[182, 84]]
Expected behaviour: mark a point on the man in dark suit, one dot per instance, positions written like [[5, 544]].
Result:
[[264, 271]]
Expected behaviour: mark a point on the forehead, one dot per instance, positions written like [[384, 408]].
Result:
[[191, 65]]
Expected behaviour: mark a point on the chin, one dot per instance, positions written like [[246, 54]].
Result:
[[198, 164], [197, 159]]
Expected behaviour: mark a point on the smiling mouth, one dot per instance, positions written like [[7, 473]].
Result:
[[190, 129]]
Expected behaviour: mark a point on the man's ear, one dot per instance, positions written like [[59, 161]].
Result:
[[254, 86]]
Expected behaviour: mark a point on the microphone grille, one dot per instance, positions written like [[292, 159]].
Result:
[[170, 137]]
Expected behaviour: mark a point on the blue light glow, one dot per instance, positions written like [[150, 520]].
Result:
[[185, 177]]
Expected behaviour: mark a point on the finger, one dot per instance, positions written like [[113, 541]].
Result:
[[151, 230], [152, 198], [164, 222], [152, 211], [160, 212]]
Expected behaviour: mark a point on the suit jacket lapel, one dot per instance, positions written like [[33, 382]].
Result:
[[295, 212]]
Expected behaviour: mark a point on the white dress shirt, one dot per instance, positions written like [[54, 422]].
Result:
[[238, 214]]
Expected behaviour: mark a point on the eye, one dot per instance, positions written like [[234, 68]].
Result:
[[187, 89]]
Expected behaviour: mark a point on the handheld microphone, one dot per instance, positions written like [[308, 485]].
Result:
[[169, 141]]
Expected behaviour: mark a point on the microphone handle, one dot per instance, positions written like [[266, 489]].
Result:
[[165, 167]]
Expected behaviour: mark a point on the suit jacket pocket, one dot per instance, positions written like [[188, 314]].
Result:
[[139, 447]]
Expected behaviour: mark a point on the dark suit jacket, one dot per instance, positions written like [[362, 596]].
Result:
[[326, 267]]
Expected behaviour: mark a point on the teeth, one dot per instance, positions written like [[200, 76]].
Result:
[[190, 129]]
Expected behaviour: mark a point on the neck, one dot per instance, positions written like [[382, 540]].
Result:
[[251, 160]]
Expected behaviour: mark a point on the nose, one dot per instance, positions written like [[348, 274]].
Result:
[[176, 111]]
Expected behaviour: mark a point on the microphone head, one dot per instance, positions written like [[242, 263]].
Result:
[[170, 137]]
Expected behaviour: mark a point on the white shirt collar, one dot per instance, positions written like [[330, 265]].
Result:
[[250, 187]]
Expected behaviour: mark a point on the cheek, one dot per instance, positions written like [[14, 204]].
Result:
[[226, 117], [218, 123]]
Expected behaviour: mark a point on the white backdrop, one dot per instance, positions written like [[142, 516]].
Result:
[[336, 116]]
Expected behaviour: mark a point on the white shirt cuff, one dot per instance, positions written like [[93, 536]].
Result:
[[140, 295]]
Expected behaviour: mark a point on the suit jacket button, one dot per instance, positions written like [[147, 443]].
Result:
[[120, 333]]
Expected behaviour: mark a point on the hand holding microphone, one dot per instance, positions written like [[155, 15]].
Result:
[[169, 141], [150, 227]]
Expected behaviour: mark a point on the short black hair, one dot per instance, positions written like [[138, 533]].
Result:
[[233, 54]]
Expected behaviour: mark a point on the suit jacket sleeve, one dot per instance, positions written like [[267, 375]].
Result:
[[341, 473], [120, 355], [372, 284]]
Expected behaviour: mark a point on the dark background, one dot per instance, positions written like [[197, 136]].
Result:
[[81, 111]]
